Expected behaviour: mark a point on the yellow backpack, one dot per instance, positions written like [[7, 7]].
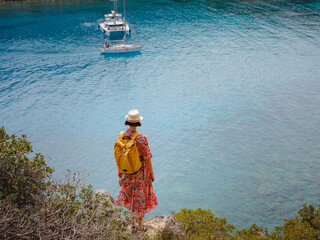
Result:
[[126, 154]]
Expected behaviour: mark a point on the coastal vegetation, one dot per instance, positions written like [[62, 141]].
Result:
[[202, 224], [35, 206]]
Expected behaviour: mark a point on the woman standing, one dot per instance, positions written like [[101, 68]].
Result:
[[136, 191]]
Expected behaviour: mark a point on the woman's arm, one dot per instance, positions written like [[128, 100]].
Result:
[[149, 164]]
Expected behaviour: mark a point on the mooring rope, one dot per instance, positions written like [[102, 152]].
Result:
[[134, 24]]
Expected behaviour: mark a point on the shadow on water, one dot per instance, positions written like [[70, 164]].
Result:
[[266, 8], [120, 55], [297, 17], [182, 0], [10, 1]]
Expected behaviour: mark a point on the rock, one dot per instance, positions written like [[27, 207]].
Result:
[[159, 227], [106, 195], [164, 227]]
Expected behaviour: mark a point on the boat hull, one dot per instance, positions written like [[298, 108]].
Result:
[[120, 48], [114, 33]]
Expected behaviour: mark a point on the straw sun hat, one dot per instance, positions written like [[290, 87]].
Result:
[[133, 116]]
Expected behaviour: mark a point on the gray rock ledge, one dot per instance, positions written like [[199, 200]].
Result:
[[164, 226]]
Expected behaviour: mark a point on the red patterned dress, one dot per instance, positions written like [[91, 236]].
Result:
[[136, 191]]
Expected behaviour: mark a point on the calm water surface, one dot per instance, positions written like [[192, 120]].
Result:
[[229, 91]]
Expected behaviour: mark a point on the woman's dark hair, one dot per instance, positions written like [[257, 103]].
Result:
[[137, 124]]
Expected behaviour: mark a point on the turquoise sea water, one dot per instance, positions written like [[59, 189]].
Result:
[[229, 91]]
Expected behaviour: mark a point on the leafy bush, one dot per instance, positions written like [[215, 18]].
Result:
[[22, 180], [32, 206], [305, 226], [254, 232], [202, 224]]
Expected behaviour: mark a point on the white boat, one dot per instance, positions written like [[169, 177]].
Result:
[[120, 48], [114, 26]]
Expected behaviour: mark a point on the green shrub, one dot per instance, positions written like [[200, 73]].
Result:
[[305, 226], [32, 206], [202, 224], [254, 232], [22, 180]]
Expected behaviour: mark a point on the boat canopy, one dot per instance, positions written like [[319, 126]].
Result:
[[114, 23]]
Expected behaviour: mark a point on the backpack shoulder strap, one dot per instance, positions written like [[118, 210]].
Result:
[[121, 135], [135, 135]]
